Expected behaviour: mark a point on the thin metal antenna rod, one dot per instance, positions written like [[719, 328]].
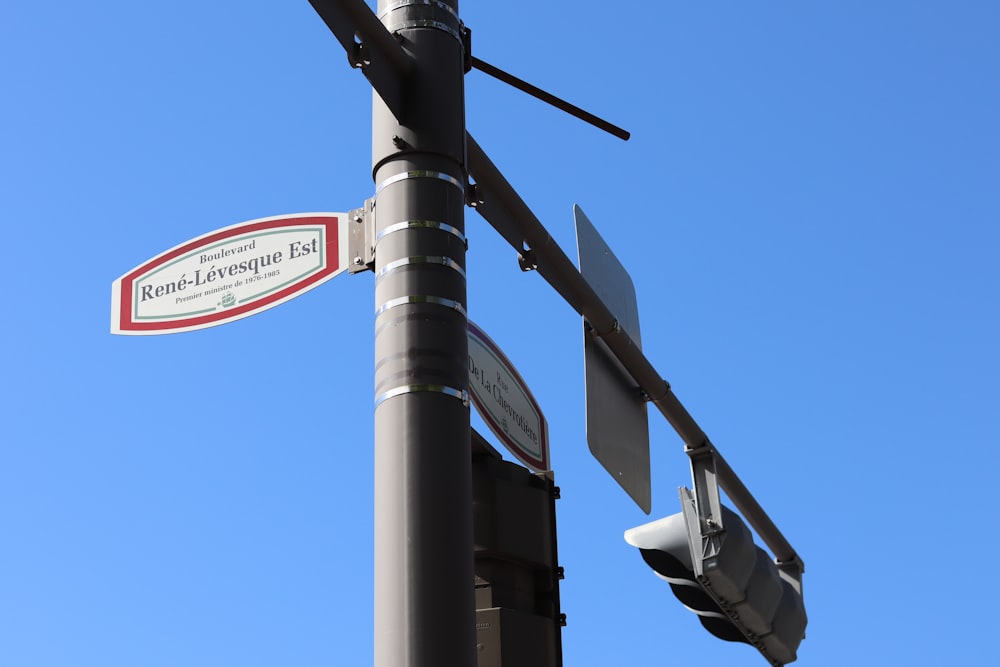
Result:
[[549, 98]]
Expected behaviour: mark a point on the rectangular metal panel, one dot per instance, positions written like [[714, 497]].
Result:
[[511, 638], [617, 422]]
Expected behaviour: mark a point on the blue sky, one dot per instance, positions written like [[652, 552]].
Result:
[[808, 209]]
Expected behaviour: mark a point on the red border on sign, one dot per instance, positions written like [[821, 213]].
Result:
[[126, 323], [538, 464]]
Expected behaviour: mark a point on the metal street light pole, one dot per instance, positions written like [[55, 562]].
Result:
[[424, 596]]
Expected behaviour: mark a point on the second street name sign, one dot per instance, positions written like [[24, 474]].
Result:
[[230, 273], [505, 403]]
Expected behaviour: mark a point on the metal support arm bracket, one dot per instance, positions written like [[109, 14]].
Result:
[[369, 46], [503, 208]]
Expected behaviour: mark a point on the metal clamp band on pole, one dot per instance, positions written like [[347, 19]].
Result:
[[406, 175], [407, 3], [422, 14], [424, 23], [418, 260], [422, 224], [435, 300], [460, 394]]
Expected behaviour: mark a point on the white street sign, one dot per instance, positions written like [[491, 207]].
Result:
[[505, 402], [230, 273]]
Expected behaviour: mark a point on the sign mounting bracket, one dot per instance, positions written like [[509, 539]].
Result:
[[361, 238]]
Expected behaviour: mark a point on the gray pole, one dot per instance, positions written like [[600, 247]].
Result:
[[424, 573]]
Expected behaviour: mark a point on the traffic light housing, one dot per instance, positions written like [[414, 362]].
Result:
[[714, 568]]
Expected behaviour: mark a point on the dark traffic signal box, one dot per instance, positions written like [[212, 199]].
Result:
[[518, 621]]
